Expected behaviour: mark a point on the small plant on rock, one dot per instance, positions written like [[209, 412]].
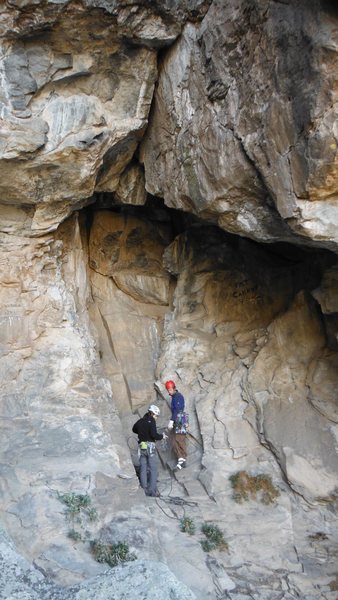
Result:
[[75, 502], [333, 585], [214, 538], [112, 554], [319, 536], [207, 546], [92, 513], [78, 509], [247, 486], [74, 535], [187, 525]]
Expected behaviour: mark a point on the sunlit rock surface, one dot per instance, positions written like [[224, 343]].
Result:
[[269, 355], [19, 579], [130, 289], [60, 430], [244, 129], [104, 289], [76, 86]]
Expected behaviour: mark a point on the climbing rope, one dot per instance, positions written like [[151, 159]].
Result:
[[169, 500], [174, 501]]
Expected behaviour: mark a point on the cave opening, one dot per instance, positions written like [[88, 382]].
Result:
[[225, 110], [172, 292]]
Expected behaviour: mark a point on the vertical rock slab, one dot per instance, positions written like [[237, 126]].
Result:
[[297, 375], [243, 128], [131, 295], [60, 431]]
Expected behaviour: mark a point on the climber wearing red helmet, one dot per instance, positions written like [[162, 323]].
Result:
[[170, 384], [177, 423]]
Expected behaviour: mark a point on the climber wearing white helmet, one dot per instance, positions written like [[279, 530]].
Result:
[[147, 436]]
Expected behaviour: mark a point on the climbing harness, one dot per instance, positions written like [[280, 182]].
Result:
[[149, 448], [146, 448], [194, 440], [162, 501], [182, 422]]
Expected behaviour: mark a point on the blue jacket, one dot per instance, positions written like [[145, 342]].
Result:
[[177, 405]]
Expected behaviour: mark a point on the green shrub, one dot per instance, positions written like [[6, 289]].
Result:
[[112, 554], [187, 525], [214, 538], [78, 506], [78, 510], [207, 546], [75, 502], [75, 535], [92, 513], [247, 486]]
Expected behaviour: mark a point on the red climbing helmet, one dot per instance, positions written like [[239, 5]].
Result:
[[170, 384]]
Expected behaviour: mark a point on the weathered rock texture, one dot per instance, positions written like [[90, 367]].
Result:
[[269, 354], [19, 580], [53, 438], [98, 303], [247, 345], [76, 86], [243, 129], [130, 290]]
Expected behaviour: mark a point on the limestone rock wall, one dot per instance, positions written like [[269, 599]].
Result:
[[60, 430], [98, 303], [243, 129], [272, 380], [75, 97], [130, 289], [19, 578], [247, 346]]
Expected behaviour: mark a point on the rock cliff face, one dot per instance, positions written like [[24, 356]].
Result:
[[244, 117], [168, 209]]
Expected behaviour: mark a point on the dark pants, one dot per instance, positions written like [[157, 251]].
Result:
[[148, 472]]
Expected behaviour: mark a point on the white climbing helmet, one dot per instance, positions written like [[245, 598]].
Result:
[[154, 409]]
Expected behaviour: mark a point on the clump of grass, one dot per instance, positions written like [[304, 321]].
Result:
[[74, 535], [187, 525], [333, 585], [247, 486], [214, 538], [319, 536], [79, 508], [112, 554], [92, 513], [78, 504], [207, 546], [75, 502]]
